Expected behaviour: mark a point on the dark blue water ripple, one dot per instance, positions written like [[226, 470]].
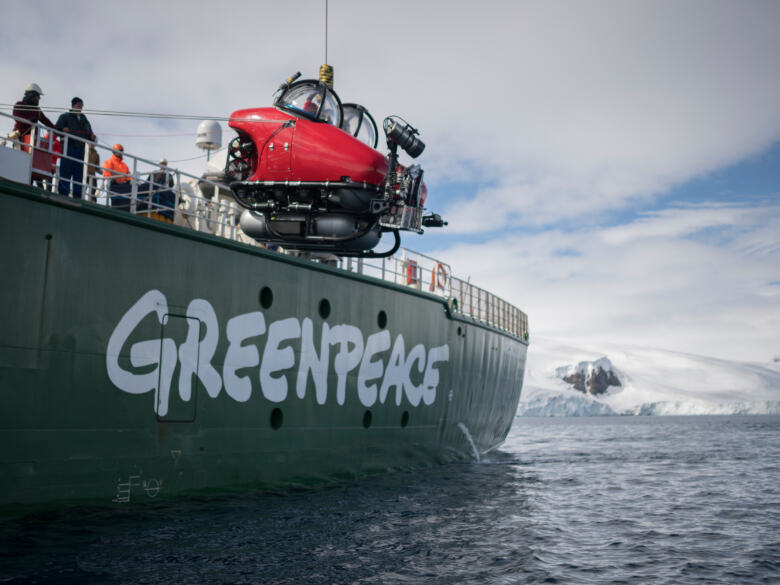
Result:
[[600, 500]]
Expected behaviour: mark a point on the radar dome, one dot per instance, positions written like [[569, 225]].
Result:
[[209, 135]]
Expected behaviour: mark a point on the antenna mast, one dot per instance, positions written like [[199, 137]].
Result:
[[326, 71], [326, 31]]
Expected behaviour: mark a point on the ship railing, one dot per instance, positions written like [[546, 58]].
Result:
[[190, 201], [207, 206], [422, 272], [486, 307], [406, 267]]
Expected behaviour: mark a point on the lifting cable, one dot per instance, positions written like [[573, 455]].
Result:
[[150, 115]]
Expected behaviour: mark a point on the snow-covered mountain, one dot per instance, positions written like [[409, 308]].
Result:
[[606, 379]]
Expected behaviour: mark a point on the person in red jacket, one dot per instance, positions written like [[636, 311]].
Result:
[[28, 109], [116, 171]]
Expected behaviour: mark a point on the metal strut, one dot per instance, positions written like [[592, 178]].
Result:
[[371, 253], [235, 185]]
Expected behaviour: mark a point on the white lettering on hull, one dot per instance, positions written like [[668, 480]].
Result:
[[374, 380]]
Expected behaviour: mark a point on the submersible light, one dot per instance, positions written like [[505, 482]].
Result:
[[404, 136]]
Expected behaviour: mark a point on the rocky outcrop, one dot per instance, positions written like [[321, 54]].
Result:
[[596, 383], [593, 378]]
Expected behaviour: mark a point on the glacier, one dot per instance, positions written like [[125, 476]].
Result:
[[651, 382]]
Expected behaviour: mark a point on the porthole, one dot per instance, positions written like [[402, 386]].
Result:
[[324, 308], [367, 416], [460, 332], [404, 419], [266, 297], [381, 319], [277, 418]]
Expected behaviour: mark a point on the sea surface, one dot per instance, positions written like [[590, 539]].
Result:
[[673, 500]]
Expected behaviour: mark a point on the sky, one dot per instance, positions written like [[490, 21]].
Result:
[[610, 167]]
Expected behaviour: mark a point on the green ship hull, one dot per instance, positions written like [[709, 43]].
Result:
[[140, 360]]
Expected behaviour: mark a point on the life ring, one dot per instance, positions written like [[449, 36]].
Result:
[[438, 277], [412, 272]]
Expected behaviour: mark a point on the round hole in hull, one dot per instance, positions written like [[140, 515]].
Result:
[[277, 418], [266, 297], [324, 308]]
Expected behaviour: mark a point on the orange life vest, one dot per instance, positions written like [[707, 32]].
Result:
[[115, 165]]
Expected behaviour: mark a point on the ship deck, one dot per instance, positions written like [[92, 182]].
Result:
[[205, 207]]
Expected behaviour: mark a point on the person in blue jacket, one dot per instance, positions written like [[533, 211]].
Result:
[[164, 199], [72, 166]]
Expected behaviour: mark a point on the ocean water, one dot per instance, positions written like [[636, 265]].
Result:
[[566, 500]]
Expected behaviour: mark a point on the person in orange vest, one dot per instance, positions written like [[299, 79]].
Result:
[[116, 171]]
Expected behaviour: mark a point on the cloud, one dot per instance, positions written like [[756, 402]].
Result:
[[649, 282], [535, 114], [563, 106], [683, 221], [614, 104]]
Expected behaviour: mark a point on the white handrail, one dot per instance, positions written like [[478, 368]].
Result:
[[220, 215]]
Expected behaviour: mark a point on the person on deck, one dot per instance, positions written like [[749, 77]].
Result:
[[93, 158], [28, 109], [117, 172], [164, 199], [72, 163]]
